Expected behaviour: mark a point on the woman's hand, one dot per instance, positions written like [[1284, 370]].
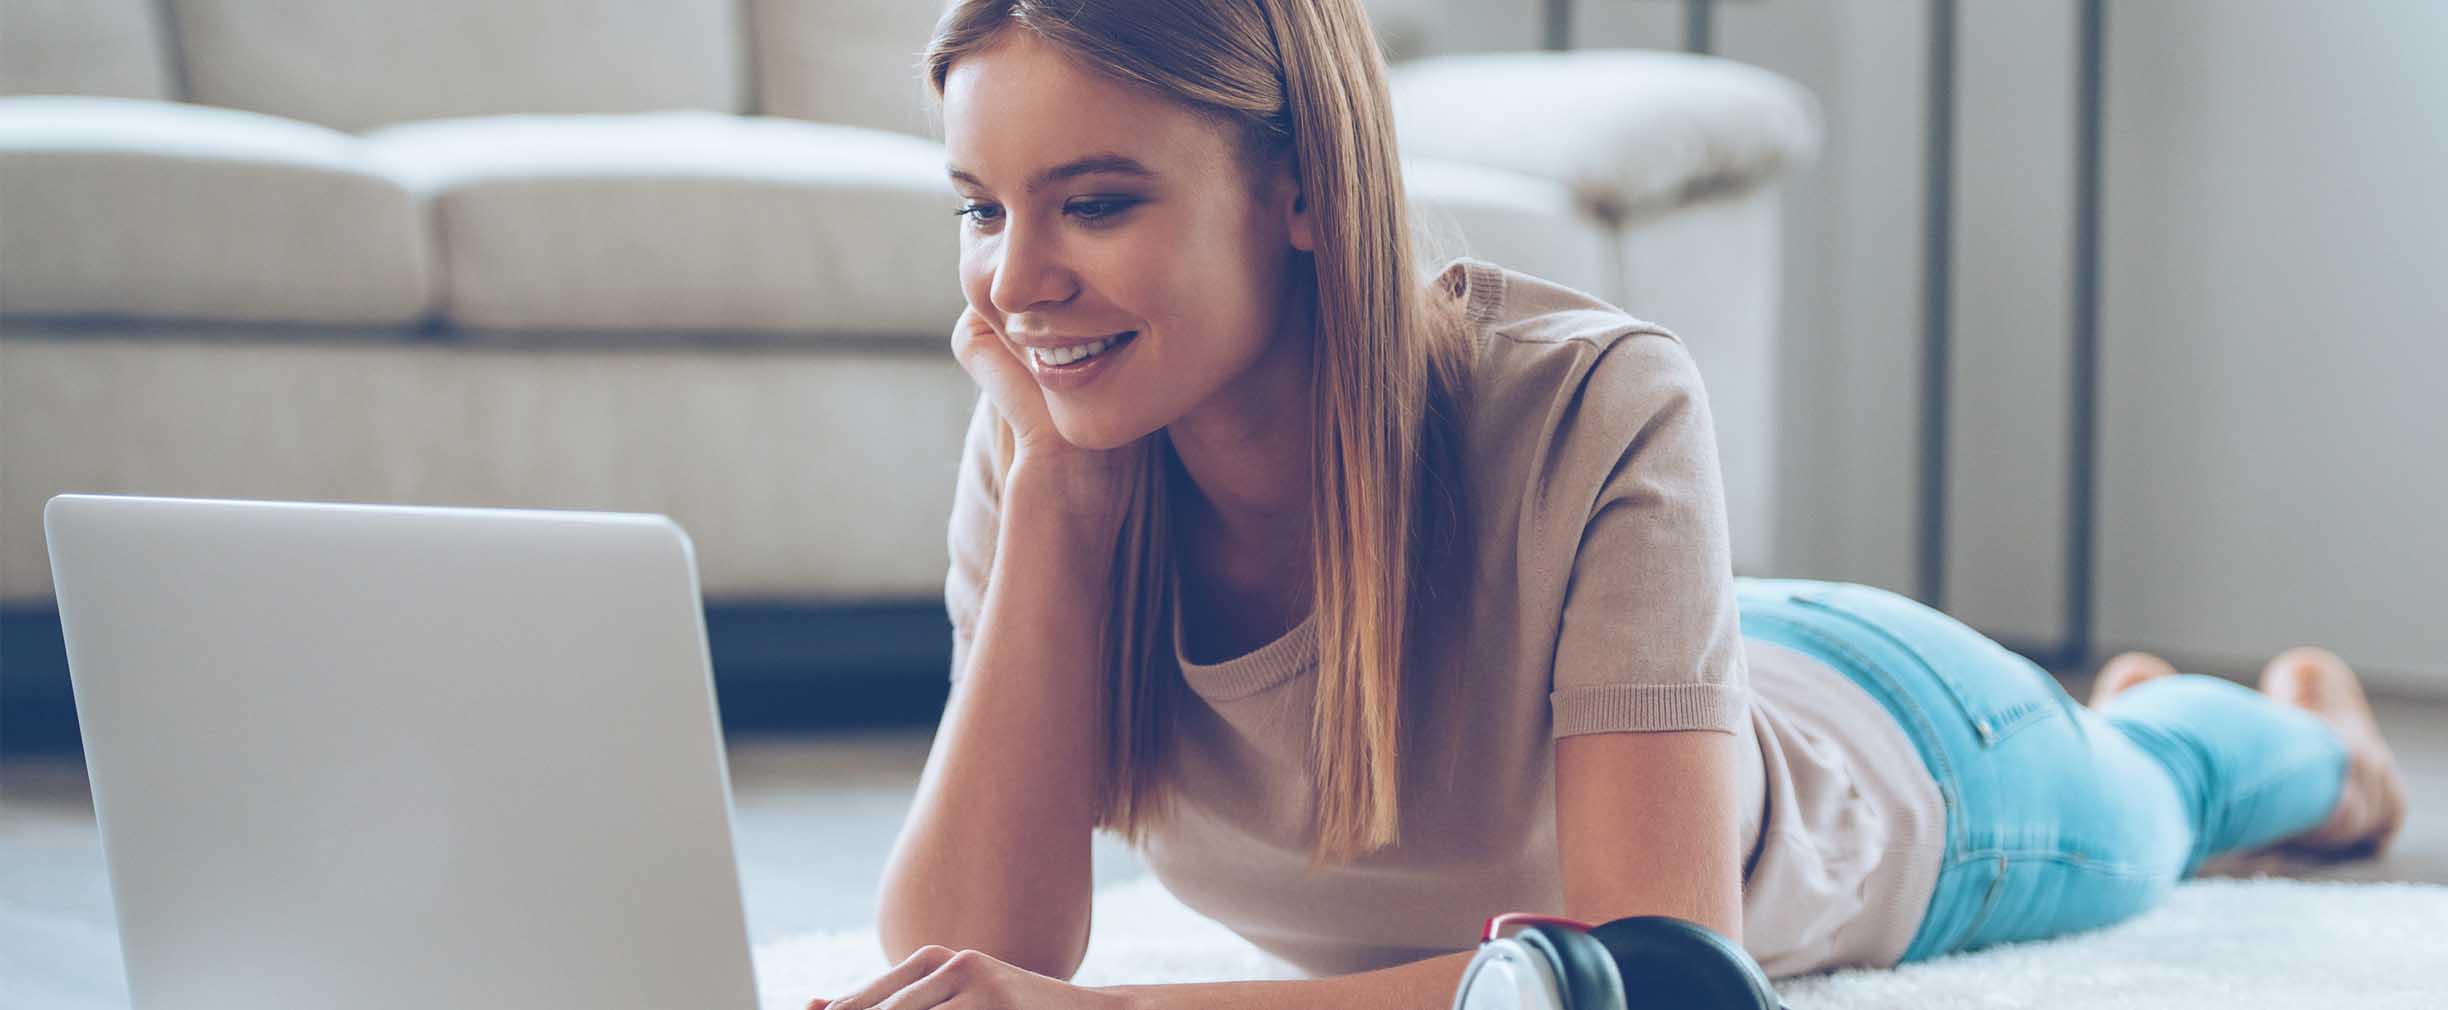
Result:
[[1092, 482], [990, 360], [938, 976]]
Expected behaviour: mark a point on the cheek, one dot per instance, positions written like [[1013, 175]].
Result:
[[1224, 305], [977, 284], [974, 274]]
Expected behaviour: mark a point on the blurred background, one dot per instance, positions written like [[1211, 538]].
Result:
[[2099, 325]]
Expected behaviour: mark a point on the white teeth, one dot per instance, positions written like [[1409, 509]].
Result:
[[1066, 355]]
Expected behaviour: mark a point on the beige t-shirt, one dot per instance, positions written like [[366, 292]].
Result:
[[1602, 600]]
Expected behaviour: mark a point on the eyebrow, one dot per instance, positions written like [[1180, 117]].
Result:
[[1094, 164]]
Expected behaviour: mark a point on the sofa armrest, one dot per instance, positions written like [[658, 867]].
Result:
[[1629, 132]]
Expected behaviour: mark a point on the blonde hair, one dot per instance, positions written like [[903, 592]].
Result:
[[1302, 78]]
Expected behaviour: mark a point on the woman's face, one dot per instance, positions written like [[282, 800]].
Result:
[[1157, 232]]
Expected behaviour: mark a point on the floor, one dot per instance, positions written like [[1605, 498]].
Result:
[[816, 818]]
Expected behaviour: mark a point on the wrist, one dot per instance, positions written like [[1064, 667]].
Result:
[[1130, 997], [1065, 499]]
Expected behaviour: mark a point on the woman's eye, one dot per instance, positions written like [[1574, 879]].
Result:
[[1100, 209], [1090, 211]]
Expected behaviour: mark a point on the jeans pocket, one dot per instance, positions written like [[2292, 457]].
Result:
[[1997, 691]]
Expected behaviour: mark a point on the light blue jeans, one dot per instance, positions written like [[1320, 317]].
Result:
[[2059, 818]]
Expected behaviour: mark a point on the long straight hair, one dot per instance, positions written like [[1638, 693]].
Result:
[[1302, 78]]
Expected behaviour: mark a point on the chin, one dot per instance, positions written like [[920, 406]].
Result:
[[1094, 433]]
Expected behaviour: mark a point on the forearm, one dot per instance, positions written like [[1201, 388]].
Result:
[[1419, 985], [1014, 763]]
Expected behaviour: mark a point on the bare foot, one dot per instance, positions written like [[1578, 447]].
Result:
[[2125, 670], [2372, 810]]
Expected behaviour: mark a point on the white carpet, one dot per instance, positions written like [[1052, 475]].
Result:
[[2216, 943]]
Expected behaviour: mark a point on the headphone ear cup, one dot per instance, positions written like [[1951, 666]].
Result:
[[1585, 969], [1669, 962]]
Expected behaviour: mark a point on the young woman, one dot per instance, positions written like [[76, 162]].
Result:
[[1369, 600]]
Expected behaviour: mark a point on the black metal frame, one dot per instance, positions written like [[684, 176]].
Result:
[[2082, 491], [1937, 299], [2082, 420], [1698, 25]]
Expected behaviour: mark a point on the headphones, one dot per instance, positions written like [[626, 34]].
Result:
[[1546, 962]]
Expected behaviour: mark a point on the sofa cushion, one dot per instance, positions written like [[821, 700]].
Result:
[[1630, 132], [84, 47], [853, 62], [1524, 222], [120, 206], [686, 220], [807, 475], [352, 64]]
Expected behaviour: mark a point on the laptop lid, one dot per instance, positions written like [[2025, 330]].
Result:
[[380, 757]]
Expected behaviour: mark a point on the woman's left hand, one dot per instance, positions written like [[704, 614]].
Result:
[[937, 976]]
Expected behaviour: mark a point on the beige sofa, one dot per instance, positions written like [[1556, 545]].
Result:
[[687, 256]]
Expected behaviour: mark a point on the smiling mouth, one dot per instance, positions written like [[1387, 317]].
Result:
[[1071, 357]]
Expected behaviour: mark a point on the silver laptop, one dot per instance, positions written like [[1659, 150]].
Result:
[[379, 757]]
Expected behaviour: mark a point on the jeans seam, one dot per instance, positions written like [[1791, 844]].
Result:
[[2293, 770], [2119, 868], [2248, 796], [1993, 728], [1989, 903]]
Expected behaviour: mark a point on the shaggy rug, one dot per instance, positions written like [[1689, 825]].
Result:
[[2215, 943]]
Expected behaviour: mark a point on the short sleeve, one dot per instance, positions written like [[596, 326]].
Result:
[[1650, 637], [976, 501]]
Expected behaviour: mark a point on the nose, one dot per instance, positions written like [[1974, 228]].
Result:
[[1028, 272]]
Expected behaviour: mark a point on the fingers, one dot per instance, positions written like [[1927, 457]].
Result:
[[976, 345], [973, 335], [967, 329], [998, 370], [938, 987], [912, 968]]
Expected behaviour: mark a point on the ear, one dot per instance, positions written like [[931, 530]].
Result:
[[1300, 224]]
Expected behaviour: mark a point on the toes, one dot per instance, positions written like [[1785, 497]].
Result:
[[2300, 666], [2132, 666], [2124, 670], [2302, 654]]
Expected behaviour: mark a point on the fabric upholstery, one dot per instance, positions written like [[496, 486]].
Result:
[[120, 206], [115, 48], [352, 64], [685, 220], [1629, 132], [846, 61], [801, 474], [1524, 222]]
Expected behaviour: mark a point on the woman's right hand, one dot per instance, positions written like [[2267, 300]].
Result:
[[1090, 483]]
